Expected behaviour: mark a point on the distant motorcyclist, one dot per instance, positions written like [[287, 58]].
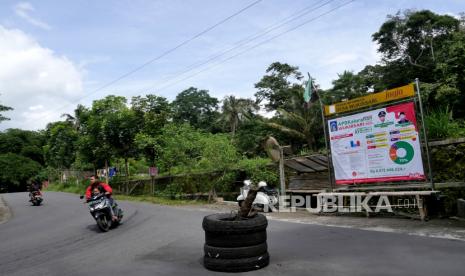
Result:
[[102, 187], [35, 187]]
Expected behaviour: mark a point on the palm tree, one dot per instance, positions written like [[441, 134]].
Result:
[[76, 120], [235, 110], [300, 122]]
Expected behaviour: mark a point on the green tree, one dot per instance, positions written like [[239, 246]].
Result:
[[302, 124], [96, 133], [23, 142], [110, 130], [278, 86], [451, 75], [282, 91], [15, 171], [10, 142], [179, 147], [119, 131], [250, 137], [195, 107], [60, 148], [153, 113], [413, 38], [80, 115], [424, 45], [214, 160], [4, 108], [347, 86]]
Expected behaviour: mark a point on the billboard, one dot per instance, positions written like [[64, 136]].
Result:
[[381, 145]]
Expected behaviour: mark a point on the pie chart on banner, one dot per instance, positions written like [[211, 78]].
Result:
[[401, 152]]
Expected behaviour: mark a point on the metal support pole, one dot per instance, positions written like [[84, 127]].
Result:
[[326, 144], [329, 163], [281, 172], [425, 137]]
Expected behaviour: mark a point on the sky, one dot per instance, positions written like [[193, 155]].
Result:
[[56, 54]]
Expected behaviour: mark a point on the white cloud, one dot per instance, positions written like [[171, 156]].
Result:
[[24, 10], [35, 81], [343, 58], [36, 107]]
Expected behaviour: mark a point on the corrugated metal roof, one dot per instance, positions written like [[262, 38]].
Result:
[[308, 164]]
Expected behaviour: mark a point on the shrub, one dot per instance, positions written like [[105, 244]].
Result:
[[439, 124], [260, 169]]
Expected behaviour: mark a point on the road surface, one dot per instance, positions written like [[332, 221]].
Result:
[[61, 238]]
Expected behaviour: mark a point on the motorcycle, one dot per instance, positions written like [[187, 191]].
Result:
[[266, 199], [35, 198], [99, 207]]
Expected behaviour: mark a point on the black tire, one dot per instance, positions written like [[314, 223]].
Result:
[[103, 223], [237, 265], [226, 223], [235, 253], [234, 240]]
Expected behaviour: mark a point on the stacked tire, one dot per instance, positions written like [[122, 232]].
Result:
[[235, 245]]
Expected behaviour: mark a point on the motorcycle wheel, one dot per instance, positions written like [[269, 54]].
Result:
[[103, 223]]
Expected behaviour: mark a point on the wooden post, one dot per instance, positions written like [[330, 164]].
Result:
[[106, 171], [421, 207], [282, 179], [153, 186]]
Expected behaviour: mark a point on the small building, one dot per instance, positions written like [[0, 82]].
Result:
[[308, 174]]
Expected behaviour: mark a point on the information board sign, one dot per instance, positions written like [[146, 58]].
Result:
[[381, 145]]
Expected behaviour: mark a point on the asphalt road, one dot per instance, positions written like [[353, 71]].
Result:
[[61, 238]]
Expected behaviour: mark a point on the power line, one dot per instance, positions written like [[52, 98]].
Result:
[[251, 38], [257, 45], [140, 67]]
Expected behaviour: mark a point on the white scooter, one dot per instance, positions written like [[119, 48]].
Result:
[[266, 199]]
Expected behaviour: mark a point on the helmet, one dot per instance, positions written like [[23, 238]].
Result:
[[247, 182], [261, 184]]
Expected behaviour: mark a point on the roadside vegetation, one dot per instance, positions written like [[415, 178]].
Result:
[[157, 199], [198, 133]]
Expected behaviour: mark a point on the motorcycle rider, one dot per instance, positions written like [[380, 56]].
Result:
[[35, 186], [103, 188]]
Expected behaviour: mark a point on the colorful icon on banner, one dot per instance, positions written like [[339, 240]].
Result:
[[354, 144], [401, 152]]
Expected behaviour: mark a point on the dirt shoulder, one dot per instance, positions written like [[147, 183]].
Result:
[[5, 213], [436, 228]]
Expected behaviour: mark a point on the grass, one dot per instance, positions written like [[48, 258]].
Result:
[[160, 200], [143, 198], [59, 187], [440, 125]]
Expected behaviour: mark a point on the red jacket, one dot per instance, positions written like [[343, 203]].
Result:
[[104, 185]]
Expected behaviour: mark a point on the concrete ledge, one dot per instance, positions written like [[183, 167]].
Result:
[[5, 212], [447, 142]]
